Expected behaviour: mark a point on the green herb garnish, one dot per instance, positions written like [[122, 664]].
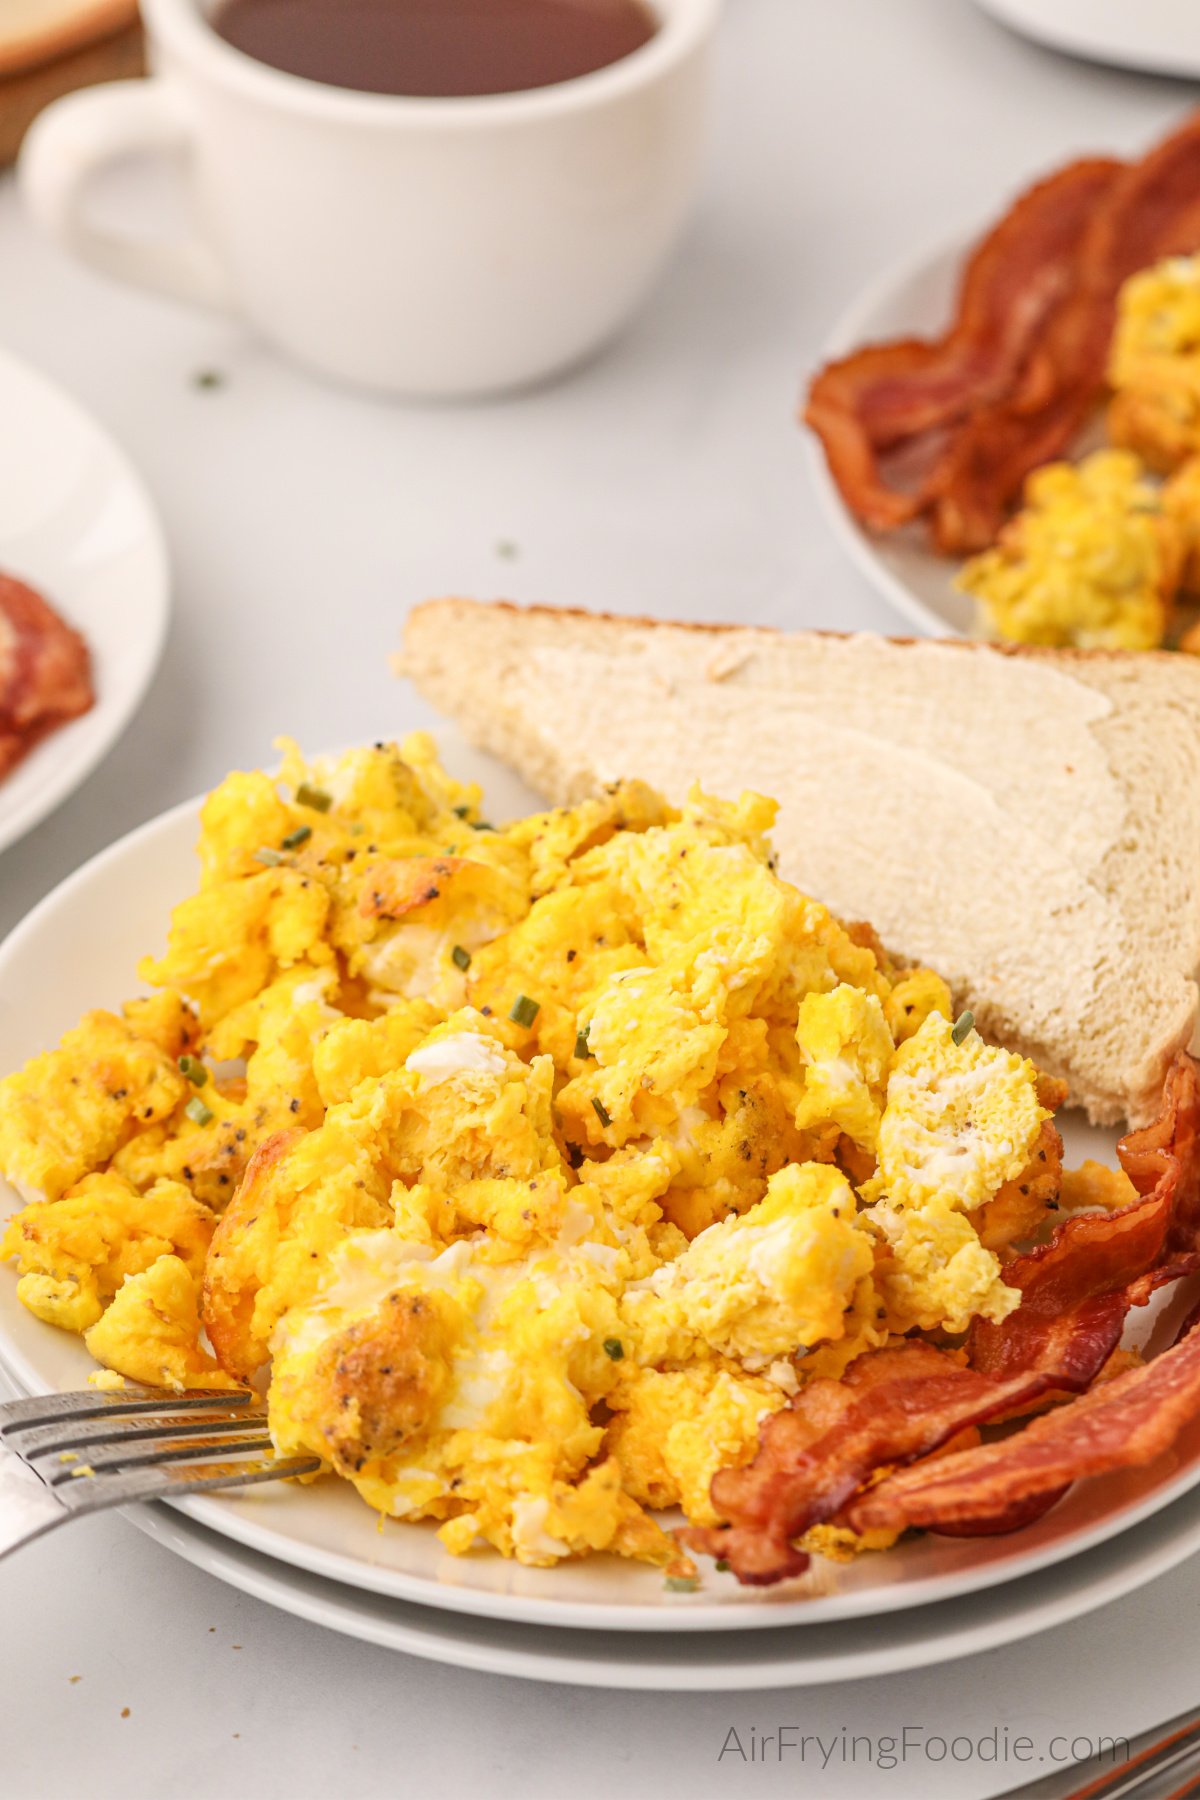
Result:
[[208, 378], [681, 1584], [602, 1113], [462, 812], [460, 958], [614, 1348], [270, 858], [581, 1041], [317, 798], [194, 1069], [294, 839], [481, 825], [524, 1011], [963, 1026], [197, 1112], [722, 1565]]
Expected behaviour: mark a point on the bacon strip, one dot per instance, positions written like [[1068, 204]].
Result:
[[891, 1406], [1078, 1288], [1125, 1423], [875, 398], [45, 671]]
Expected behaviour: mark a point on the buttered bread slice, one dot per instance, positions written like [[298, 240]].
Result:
[[1025, 821]]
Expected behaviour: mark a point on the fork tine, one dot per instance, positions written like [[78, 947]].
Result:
[[45, 1409], [123, 1486], [158, 1451], [33, 1441]]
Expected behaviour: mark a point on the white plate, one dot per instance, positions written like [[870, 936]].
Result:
[[79, 949], [1160, 35], [716, 1661], [915, 296], [77, 524]]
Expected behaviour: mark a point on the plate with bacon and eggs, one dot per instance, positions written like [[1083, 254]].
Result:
[[1006, 433], [636, 1245]]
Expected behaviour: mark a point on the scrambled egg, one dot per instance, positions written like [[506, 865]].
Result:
[[528, 1169], [1154, 364], [1092, 559]]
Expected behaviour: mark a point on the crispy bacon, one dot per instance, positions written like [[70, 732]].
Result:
[[45, 671], [887, 394], [1125, 1423], [950, 429], [1078, 1288], [891, 1406]]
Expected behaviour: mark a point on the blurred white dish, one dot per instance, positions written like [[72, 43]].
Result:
[[77, 524], [79, 949], [1160, 35]]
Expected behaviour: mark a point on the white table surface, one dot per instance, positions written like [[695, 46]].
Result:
[[668, 477]]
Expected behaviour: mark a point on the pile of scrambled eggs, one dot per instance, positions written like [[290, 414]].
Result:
[[529, 1169], [1102, 551]]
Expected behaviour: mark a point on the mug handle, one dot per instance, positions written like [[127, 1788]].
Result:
[[82, 133]]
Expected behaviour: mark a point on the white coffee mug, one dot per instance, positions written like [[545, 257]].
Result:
[[420, 246]]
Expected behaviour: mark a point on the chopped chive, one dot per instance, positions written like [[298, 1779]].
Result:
[[581, 1041], [481, 825], [460, 958], [317, 798], [194, 1069], [270, 858], [197, 1112], [614, 1348], [294, 839], [208, 378], [602, 1113], [681, 1584], [462, 812], [963, 1026], [524, 1010], [722, 1565]]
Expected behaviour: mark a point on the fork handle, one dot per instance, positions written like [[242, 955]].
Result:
[[27, 1506]]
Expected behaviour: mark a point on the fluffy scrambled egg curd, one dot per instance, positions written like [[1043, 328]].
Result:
[[528, 1169], [1093, 559], [1154, 364]]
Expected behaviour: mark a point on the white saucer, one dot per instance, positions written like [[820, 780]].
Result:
[[77, 524], [1160, 35]]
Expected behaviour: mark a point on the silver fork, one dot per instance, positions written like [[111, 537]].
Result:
[[69, 1454]]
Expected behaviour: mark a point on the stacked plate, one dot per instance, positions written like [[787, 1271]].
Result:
[[316, 1551]]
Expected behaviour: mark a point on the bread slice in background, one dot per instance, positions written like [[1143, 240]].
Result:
[[1027, 822], [33, 32]]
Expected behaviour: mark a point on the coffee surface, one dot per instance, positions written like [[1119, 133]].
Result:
[[436, 48]]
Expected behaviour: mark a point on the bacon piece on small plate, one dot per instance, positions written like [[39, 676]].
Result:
[[907, 392], [1124, 1423], [891, 1406], [45, 671]]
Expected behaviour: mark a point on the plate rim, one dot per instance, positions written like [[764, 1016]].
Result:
[[684, 1613], [329, 1604], [147, 650]]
